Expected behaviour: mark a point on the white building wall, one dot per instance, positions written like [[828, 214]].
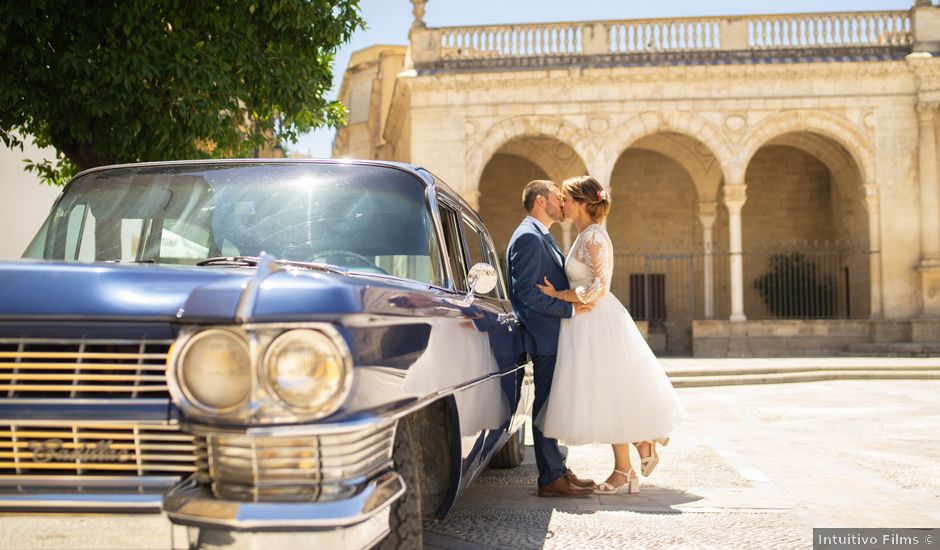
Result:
[[24, 201]]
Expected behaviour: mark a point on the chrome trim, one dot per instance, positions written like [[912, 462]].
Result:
[[190, 503], [84, 493], [77, 450], [297, 469], [86, 401], [249, 296], [82, 502], [345, 425], [76, 366], [84, 482]]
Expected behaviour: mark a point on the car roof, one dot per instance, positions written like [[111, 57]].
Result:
[[423, 173]]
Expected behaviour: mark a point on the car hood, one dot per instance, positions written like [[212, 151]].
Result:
[[57, 290]]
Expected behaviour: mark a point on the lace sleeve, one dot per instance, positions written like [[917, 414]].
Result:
[[596, 254]]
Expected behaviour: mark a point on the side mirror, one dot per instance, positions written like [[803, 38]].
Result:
[[482, 278]]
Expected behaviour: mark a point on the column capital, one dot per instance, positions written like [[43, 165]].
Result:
[[927, 111], [707, 214], [734, 196]]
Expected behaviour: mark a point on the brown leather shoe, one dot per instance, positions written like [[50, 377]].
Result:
[[577, 482], [561, 488]]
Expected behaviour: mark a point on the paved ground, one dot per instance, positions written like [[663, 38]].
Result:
[[754, 467]]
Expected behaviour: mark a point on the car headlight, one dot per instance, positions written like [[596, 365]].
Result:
[[214, 370], [307, 371]]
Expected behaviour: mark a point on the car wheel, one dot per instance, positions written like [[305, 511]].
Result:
[[510, 455], [406, 528]]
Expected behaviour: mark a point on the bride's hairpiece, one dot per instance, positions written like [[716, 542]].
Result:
[[603, 195]]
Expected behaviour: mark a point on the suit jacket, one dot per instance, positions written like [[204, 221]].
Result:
[[530, 257]]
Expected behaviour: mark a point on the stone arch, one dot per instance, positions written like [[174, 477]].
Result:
[[681, 122], [705, 175], [829, 125], [501, 133]]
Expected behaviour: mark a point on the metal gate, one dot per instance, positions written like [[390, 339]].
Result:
[[663, 290]]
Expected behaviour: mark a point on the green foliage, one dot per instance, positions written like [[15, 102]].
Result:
[[794, 288], [140, 80]]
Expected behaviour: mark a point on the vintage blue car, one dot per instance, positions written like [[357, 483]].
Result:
[[300, 352]]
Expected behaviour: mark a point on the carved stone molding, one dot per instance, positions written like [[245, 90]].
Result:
[[718, 74], [735, 122], [598, 125], [927, 111]]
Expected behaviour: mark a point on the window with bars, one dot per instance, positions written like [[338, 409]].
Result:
[[654, 296]]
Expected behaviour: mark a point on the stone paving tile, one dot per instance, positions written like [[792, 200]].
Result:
[[622, 529], [754, 467]]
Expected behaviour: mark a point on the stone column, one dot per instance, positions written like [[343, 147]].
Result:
[[566, 239], [707, 213], [873, 204], [927, 172], [734, 198]]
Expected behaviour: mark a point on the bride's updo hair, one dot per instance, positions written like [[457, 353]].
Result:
[[586, 190]]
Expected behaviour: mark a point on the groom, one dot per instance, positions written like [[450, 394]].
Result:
[[532, 255]]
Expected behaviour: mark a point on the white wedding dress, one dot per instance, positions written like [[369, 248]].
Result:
[[608, 386]]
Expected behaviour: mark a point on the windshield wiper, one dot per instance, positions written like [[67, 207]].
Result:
[[235, 261], [147, 261], [252, 261]]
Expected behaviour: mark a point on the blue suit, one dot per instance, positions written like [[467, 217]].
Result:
[[530, 257]]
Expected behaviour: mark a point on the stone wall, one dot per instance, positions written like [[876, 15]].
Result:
[[778, 338]]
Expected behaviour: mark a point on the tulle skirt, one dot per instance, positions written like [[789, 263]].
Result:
[[608, 386]]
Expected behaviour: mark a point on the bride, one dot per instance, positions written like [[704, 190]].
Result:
[[608, 386]]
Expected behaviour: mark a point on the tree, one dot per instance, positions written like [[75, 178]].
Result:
[[795, 287], [137, 80]]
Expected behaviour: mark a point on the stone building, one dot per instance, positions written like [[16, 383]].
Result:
[[774, 178]]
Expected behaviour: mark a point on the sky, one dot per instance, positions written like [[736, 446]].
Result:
[[388, 21]]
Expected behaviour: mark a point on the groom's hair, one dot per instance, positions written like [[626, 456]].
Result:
[[533, 189]]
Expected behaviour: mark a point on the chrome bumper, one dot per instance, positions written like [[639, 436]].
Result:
[[66, 494], [356, 521]]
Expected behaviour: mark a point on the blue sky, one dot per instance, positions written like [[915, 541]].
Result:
[[388, 22]]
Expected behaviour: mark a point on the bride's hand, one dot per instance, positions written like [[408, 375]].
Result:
[[548, 288]]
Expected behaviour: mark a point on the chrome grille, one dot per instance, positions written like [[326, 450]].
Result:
[[95, 449], [83, 368], [307, 468]]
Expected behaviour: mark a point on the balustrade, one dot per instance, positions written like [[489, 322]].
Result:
[[887, 29]]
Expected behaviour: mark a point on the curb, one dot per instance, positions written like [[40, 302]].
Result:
[[685, 380]]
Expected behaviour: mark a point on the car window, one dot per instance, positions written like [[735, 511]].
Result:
[[367, 218], [478, 248], [455, 248]]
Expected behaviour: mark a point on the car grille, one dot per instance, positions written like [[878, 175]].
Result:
[[83, 368], [308, 468], [84, 450]]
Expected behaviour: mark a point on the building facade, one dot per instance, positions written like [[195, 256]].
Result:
[[774, 178]]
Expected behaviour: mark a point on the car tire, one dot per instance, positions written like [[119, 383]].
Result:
[[405, 524], [512, 452]]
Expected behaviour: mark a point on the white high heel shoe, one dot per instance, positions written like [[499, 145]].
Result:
[[630, 486], [648, 464]]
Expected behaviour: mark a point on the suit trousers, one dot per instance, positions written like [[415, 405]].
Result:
[[548, 457]]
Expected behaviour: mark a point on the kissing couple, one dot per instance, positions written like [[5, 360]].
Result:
[[596, 379]]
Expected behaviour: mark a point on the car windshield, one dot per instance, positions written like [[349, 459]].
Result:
[[363, 218]]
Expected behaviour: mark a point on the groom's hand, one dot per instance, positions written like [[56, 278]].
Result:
[[580, 308]]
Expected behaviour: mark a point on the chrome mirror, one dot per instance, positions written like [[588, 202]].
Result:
[[482, 278]]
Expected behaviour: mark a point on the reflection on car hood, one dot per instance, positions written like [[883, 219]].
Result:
[[57, 290]]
